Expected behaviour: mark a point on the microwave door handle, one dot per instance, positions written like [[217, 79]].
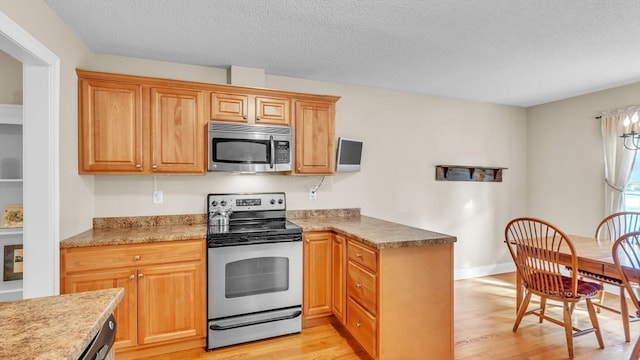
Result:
[[272, 160]]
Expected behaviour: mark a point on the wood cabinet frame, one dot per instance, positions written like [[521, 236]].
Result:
[[124, 121], [413, 295], [164, 305]]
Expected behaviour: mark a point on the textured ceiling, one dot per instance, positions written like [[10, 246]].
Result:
[[515, 52]]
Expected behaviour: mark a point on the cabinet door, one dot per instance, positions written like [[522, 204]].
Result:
[[338, 288], [171, 302], [315, 138], [316, 298], [229, 107], [110, 127], [272, 110], [177, 131], [125, 313]]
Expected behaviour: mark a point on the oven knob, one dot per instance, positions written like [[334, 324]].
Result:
[[223, 203], [280, 201], [214, 203], [273, 201]]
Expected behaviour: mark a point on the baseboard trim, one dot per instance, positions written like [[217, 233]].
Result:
[[483, 271]]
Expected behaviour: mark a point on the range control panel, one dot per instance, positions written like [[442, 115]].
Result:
[[246, 202]]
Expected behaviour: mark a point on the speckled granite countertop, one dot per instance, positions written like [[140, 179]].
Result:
[[54, 327], [141, 229], [378, 233]]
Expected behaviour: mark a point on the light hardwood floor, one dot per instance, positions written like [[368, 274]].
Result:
[[484, 315]]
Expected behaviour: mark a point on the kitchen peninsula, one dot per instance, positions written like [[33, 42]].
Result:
[[54, 327], [389, 285]]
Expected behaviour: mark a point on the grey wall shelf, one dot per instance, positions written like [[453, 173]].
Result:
[[468, 173]]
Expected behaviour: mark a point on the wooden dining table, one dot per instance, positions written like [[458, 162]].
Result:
[[593, 256]]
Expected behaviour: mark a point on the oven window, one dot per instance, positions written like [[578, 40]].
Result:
[[256, 276], [241, 151]]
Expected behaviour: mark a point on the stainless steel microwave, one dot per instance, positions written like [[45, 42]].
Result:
[[249, 148]]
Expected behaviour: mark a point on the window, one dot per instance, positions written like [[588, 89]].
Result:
[[632, 190]]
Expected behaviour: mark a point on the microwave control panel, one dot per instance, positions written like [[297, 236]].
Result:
[[283, 155]]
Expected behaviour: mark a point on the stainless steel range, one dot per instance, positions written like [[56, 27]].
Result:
[[254, 269]]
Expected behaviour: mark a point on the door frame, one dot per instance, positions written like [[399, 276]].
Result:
[[41, 169]]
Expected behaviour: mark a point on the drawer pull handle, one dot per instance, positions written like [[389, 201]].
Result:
[[358, 324], [141, 275], [136, 258], [359, 255], [131, 277], [358, 285], [138, 166]]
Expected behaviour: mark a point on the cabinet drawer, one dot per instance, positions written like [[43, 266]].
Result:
[[361, 286], [109, 257], [363, 256], [362, 326]]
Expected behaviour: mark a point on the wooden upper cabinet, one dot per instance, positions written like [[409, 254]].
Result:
[[110, 127], [272, 110], [177, 131], [229, 107], [142, 125], [128, 125], [249, 108], [314, 138]]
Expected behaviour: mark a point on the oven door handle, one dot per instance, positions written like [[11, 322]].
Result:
[[280, 318]]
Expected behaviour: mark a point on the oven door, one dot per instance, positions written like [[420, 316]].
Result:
[[252, 278]]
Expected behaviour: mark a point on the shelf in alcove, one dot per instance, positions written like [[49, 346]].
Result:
[[10, 114], [10, 231]]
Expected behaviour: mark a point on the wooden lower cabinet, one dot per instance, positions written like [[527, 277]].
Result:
[[163, 309], [316, 292], [398, 302], [338, 286]]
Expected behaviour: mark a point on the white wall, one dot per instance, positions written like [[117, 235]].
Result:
[[405, 136], [76, 192], [10, 80], [565, 165]]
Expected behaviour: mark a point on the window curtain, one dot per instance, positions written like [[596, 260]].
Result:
[[618, 160]]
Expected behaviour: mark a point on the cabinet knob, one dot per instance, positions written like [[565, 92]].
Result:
[[136, 258], [244, 117], [138, 166], [358, 285], [154, 167], [131, 277], [358, 324], [258, 118], [359, 255], [140, 275]]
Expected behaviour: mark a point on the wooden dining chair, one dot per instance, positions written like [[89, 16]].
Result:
[[537, 249], [626, 256], [610, 229]]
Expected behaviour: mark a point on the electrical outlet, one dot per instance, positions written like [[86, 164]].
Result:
[[313, 195], [157, 197]]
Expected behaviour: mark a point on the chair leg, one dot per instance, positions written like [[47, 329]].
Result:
[[543, 307], [594, 322], [601, 294], [624, 314], [521, 310], [635, 354], [568, 328]]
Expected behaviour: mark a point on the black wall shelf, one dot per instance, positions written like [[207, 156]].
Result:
[[469, 173]]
